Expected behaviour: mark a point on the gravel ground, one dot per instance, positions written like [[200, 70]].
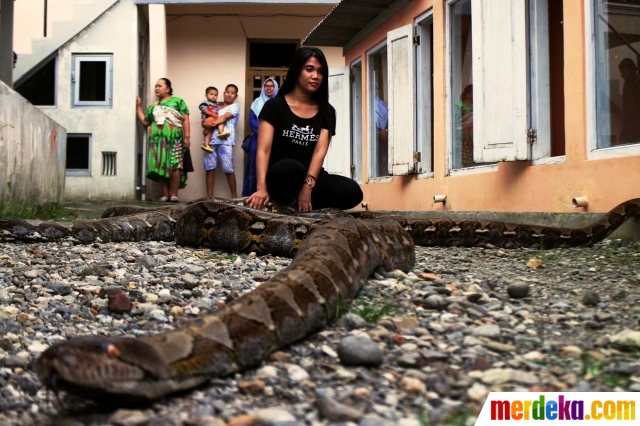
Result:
[[414, 349]]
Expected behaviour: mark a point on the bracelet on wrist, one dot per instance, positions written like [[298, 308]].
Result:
[[312, 177], [309, 181]]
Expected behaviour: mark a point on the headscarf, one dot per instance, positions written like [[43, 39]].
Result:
[[258, 103]]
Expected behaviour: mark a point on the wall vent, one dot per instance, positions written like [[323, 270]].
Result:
[[108, 163]]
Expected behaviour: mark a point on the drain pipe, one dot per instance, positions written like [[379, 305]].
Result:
[[580, 202], [143, 178]]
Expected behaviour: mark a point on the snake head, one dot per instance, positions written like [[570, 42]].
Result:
[[116, 370], [99, 368]]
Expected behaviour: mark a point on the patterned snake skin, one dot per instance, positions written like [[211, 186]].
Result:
[[334, 255]]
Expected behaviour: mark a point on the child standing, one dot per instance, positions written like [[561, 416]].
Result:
[[210, 109]]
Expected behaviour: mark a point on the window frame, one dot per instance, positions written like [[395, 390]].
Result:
[[80, 172], [77, 58], [593, 152], [371, 113], [356, 120], [451, 171], [424, 129]]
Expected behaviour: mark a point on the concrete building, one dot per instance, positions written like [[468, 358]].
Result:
[[82, 62], [499, 105]]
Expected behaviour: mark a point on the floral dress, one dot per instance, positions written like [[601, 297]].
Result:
[[165, 146]]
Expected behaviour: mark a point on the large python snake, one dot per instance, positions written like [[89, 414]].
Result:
[[333, 255]]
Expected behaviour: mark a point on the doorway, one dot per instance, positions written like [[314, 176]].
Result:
[[266, 59]]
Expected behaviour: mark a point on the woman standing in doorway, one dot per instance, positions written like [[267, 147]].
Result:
[[269, 90], [293, 138], [169, 139]]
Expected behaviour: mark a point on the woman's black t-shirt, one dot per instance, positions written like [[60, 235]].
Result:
[[294, 137]]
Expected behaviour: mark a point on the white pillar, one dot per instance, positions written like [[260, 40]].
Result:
[[157, 46], [157, 69], [6, 41]]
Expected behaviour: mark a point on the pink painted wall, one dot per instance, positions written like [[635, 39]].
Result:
[[515, 186]]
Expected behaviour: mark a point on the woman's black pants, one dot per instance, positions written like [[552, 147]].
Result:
[[286, 177]]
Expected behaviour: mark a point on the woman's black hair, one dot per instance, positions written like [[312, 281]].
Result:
[[468, 89], [321, 96], [168, 83]]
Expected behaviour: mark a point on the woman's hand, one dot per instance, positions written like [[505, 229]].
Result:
[[304, 199], [258, 199], [138, 101], [186, 142]]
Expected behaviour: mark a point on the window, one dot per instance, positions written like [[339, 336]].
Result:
[[378, 112], [461, 84], [356, 121], [613, 70], [92, 79], [39, 87], [78, 155]]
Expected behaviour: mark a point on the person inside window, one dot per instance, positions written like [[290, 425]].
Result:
[[382, 128], [294, 133], [630, 101], [464, 126]]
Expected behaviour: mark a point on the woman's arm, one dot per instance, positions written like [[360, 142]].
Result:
[[265, 141], [140, 113], [319, 152], [186, 131]]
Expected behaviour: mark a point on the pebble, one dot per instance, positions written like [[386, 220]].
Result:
[[591, 298], [518, 290], [475, 334], [488, 330], [119, 302], [336, 412], [354, 350]]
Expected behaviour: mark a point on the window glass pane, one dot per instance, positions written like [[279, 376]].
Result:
[[93, 78], [617, 25], [77, 152], [461, 84], [424, 96], [380, 114], [39, 88]]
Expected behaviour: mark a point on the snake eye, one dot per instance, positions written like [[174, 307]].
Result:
[[112, 351]]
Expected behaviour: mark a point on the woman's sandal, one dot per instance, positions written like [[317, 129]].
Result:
[[163, 199], [175, 200]]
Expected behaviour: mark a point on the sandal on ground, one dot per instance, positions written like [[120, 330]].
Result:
[[175, 200], [224, 135], [206, 148], [163, 199]]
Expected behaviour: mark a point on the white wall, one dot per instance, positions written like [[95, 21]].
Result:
[[33, 152], [112, 129]]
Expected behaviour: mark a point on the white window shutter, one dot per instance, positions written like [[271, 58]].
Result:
[[402, 93], [500, 110], [338, 159]]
